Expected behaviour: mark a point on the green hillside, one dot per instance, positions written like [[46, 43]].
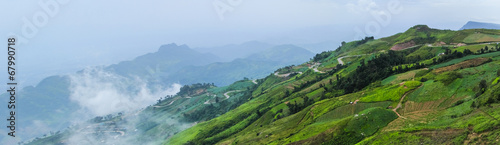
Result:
[[423, 86]]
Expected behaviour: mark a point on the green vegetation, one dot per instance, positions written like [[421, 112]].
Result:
[[353, 103], [391, 93]]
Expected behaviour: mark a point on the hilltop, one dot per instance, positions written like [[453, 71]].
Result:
[[421, 86]]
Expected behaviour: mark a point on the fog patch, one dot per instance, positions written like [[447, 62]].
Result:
[[100, 93]]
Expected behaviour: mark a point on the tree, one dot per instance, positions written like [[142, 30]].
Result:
[[486, 48], [482, 86]]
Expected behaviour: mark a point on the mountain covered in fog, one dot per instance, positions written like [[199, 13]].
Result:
[[480, 25], [52, 103]]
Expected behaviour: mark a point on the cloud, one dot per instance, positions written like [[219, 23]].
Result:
[[99, 93]]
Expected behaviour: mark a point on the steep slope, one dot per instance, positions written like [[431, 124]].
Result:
[[347, 104], [429, 93]]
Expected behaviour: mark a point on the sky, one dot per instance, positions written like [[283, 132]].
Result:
[[63, 36]]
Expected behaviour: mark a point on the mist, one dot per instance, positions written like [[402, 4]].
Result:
[[99, 93], [116, 102]]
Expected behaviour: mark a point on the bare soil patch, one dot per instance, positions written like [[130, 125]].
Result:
[[402, 46], [462, 65]]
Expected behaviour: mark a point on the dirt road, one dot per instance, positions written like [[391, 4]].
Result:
[[401, 101]]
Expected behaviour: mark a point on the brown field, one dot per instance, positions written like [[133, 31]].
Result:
[[420, 112], [461, 65], [402, 46]]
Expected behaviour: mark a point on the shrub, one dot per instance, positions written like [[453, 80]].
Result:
[[448, 77]]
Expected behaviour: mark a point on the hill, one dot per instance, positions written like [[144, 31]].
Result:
[[50, 105], [156, 67], [231, 52], [480, 25], [421, 86], [257, 65]]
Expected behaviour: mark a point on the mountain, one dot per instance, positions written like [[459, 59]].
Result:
[[480, 25], [257, 65], [234, 51], [283, 53], [167, 60], [421, 86], [321, 46], [49, 103]]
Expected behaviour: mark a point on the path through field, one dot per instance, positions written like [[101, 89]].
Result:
[[401, 101]]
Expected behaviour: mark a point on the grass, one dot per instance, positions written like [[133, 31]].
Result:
[[473, 48], [390, 93], [480, 37], [495, 81], [369, 121], [350, 110], [458, 60], [461, 65], [398, 78], [426, 51], [396, 138]]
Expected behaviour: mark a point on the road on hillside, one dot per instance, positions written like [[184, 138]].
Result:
[[226, 94], [401, 101], [315, 67], [285, 75], [342, 63]]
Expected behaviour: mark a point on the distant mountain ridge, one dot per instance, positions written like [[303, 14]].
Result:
[[257, 65], [234, 51], [172, 63], [480, 25]]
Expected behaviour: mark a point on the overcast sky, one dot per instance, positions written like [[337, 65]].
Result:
[[78, 33]]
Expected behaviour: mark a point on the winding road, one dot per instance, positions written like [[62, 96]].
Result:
[[340, 58], [226, 94], [285, 75], [315, 67]]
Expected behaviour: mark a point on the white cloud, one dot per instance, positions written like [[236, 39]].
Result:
[[99, 93]]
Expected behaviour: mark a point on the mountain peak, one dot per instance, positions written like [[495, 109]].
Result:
[[480, 25], [421, 28], [172, 46]]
